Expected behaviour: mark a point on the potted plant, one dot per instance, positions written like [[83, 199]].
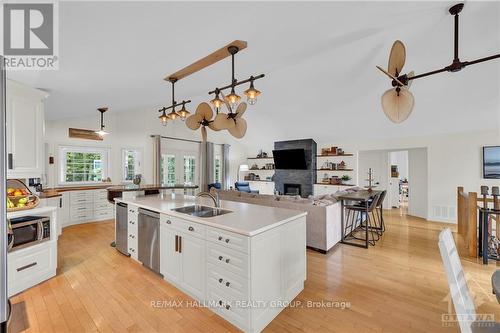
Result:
[[345, 179]]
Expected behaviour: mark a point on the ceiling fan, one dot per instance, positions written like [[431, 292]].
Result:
[[202, 118], [231, 121], [398, 102]]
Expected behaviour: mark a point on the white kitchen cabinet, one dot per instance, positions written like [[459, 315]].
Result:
[[182, 256], [25, 130], [192, 254], [132, 230]]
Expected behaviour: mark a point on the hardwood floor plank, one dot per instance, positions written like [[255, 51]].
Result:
[[397, 286]]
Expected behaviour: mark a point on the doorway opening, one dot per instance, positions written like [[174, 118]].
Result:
[[399, 186]]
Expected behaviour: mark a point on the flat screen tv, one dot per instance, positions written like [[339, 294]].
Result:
[[491, 162], [288, 159]]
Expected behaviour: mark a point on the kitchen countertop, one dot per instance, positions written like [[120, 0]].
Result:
[[46, 194], [133, 187], [245, 219]]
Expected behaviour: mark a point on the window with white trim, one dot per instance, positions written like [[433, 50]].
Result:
[[131, 163], [82, 165]]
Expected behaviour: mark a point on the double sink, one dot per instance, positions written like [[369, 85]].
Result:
[[201, 211]]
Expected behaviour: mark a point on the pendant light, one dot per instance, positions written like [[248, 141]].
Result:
[[163, 118], [217, 102], [252, 93], [101, 132], [172, 115], [233, 99]]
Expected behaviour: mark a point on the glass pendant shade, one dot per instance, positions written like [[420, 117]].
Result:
[[173, 115], [252, 94], [217, 102], [183, 113], [233, 99], [163, 118], [397, 106]]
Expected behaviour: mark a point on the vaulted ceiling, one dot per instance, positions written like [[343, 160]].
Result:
[[319, 59]]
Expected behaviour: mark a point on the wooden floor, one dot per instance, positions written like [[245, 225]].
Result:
[[397, 286]]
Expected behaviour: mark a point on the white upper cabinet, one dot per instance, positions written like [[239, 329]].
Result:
[[25, 130]]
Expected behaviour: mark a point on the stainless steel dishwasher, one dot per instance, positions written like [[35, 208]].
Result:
[[121, 228], [149, 239]]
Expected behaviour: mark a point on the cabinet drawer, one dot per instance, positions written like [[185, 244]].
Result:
[[103, 214], [229, 259], [132, 228], [190, 228], [133, 212], [132, 247], [99, 194], [31, 266], [230, 308], [101, 204], [228, 239], [80, 210], [227, 282]]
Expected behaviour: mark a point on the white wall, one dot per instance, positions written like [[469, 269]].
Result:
[[453, 160], [400, 158], [131, 130], [418, 200]]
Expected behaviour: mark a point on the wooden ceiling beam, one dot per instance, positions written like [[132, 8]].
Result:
[[210, 59]]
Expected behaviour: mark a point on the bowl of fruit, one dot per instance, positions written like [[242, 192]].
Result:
[[19, 197]]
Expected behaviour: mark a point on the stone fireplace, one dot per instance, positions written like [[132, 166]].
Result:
[[301, 181], [291, 189]]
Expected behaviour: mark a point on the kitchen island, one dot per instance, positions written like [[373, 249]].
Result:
[[245, 265]]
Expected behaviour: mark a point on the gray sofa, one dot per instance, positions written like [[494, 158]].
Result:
[[323, 223]]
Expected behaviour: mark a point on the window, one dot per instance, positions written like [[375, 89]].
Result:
[[217, 169], [82, 165], [189, 170], [131, 164], [167, 169]]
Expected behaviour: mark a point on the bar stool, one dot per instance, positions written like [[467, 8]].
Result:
[[361, 214], [379, 215]]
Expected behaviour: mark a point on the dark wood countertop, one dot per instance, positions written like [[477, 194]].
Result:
[[46, 194], [151, 187]]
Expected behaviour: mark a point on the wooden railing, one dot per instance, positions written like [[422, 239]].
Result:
[[467, 222]]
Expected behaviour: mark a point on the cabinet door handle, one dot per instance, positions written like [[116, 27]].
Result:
[[220, 258], [220, 302], [191, 229], [60, 202], [220, 238], [227, 284], [169, 222], [227, 240], [176, 243], [227, 261], [26, 267], [220, 280], [180, 244], [10, 161], [227, 306]]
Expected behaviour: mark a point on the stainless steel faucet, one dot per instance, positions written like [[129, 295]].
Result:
[[215, 197]]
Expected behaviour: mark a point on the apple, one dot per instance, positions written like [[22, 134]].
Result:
[[10, 190]]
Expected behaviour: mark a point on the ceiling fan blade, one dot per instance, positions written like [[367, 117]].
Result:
[[222, 122], [194, 121], [397, 58], [398, 107], [203, 134], [240, 110], [410, 75], [205, 111], [390, 75], [240, 129]]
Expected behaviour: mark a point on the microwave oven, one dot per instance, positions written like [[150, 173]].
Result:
[[28, 230]]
